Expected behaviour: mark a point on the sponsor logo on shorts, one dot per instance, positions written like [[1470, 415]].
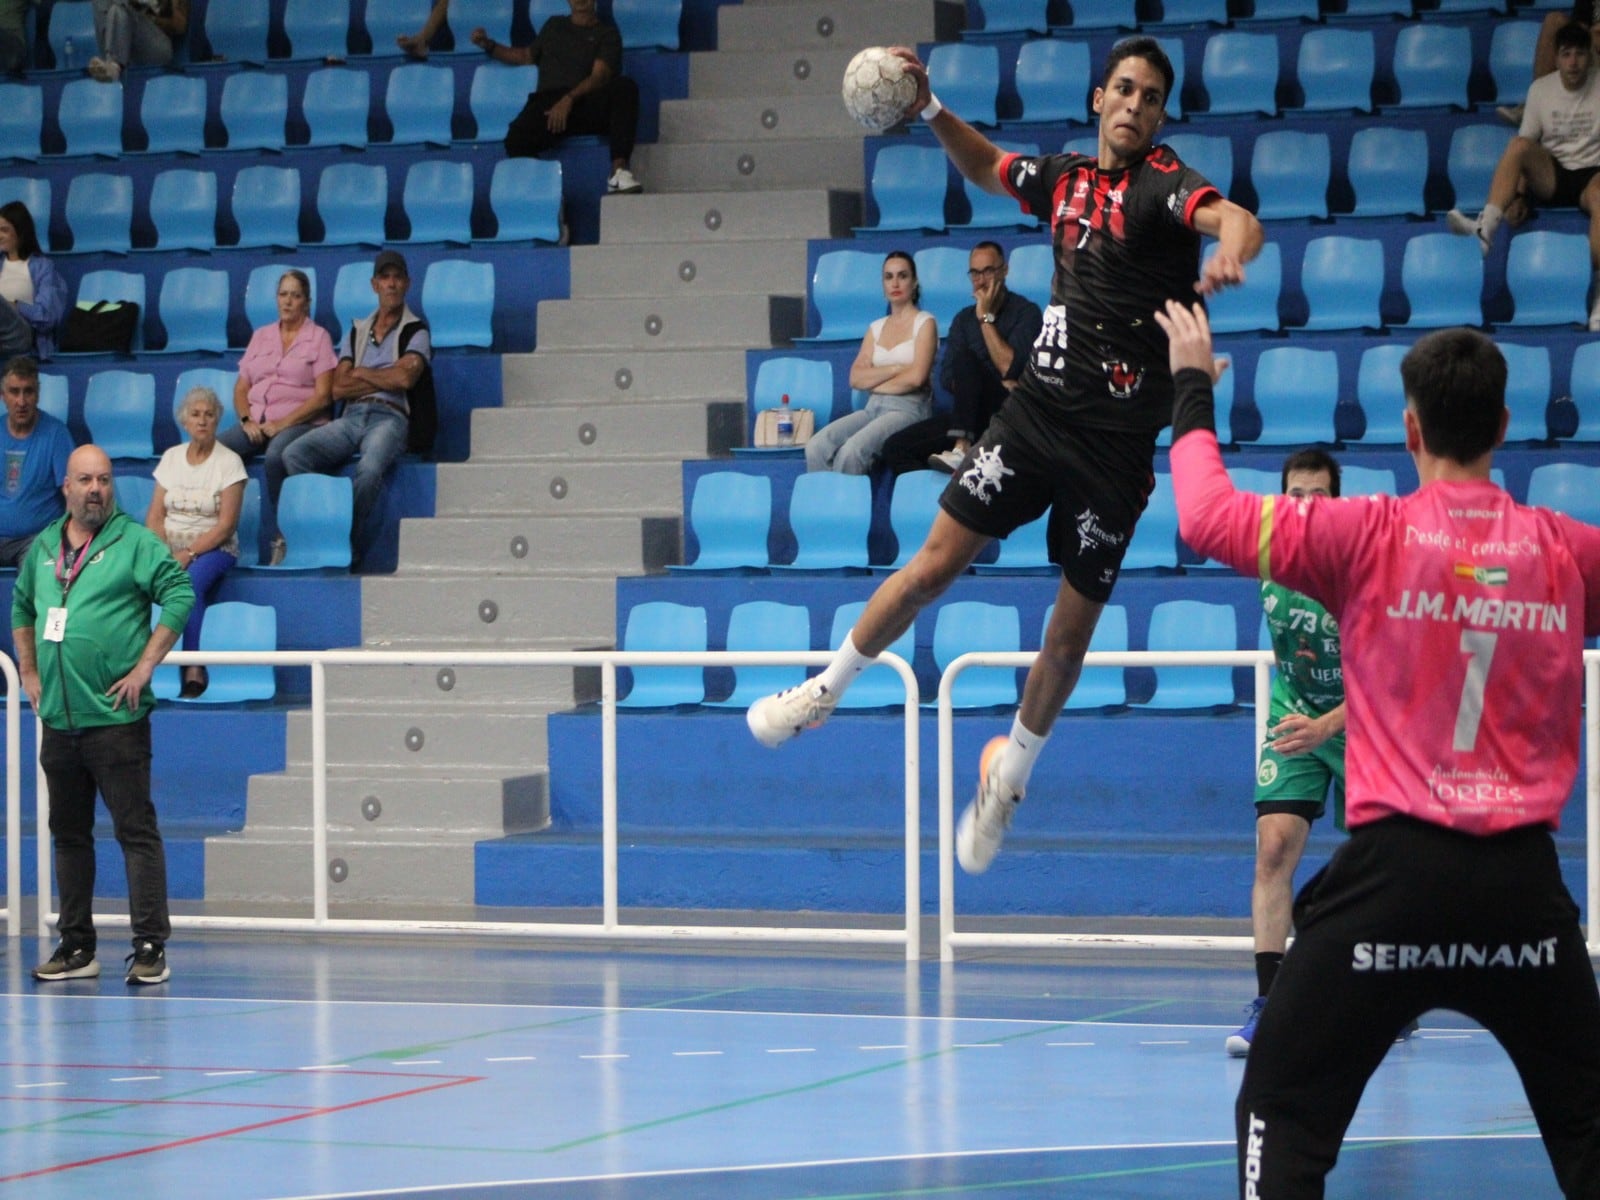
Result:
[[986, 476], [1091, 534], [1267, 772], [1384, 957], [1123, 378]]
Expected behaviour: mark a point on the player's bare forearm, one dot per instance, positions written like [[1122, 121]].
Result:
[[1239, 239]]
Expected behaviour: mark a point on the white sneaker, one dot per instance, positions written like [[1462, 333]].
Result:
[[947, 462], [280, 551], [106, 70], [775, 719], [622, 182], [1465, 226], [1511, 114], [984, 823]]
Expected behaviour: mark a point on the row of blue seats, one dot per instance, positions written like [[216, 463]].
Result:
[[265, 209], [991, 18]]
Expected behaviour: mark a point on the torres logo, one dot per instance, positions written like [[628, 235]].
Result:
[[1122, 378], [986, 475]]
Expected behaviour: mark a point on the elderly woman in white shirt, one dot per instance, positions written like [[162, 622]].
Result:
[[195, 510]]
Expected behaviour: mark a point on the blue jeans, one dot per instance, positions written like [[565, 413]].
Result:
[[273, 449], [205, 572], [853, 444], [374, 431]]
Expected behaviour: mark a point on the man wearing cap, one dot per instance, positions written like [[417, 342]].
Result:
[[383, 362]]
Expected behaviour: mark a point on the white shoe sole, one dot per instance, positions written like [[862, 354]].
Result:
[[88, 972]]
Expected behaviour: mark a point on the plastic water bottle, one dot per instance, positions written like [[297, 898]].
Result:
[[785, 422], [69, 56]]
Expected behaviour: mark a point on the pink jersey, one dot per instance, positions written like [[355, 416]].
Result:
[[1462, 615]]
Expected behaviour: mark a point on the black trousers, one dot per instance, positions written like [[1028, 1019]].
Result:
[[612, 112], [115, 761], [978, 393], [1407, 917]]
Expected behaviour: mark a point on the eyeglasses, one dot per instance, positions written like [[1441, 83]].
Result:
[[983, 273]]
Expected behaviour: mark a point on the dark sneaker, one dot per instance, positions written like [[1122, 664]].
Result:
[[76, 962], [1239, 1040], [148, 963], [1409, 1032]]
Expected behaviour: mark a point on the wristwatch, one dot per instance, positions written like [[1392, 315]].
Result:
[[987, 318]]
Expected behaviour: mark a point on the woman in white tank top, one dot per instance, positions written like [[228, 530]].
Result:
[[894, 365]]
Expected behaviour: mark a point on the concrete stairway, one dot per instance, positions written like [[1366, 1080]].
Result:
[[577, 479]]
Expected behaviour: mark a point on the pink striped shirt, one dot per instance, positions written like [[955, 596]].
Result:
[[282, 380]]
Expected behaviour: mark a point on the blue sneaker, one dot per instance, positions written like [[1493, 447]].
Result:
[[1239, 1040]]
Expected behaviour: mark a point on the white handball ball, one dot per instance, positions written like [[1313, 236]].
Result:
[[878, 89]]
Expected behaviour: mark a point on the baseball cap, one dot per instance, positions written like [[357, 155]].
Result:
[[387, 259]]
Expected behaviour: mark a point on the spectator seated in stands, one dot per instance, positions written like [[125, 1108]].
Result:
[[136, 33], [36, 448], [35, 298], [195, 510], [985, 350], [1555, 156], [1544, 49], [14, 48], [383, 367], [894, 364], [285, 386], [581, 89]]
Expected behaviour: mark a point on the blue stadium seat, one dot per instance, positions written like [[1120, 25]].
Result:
[[352, 198], [1054, 80], [492, 16], [1380, 394], [237, 30], [1472, 6], [1431, 65], [116, 285], [314, 515], [173, 114], [1364, 9], [908, 188], [847, 289], [119, 407], [240, 626], [21, 119], [498, 94], [336, 102], [1296, 391], [648, 24], [250, 525], [219, 380], [1388, 169], [255, 109], [1173, 45], [1012, 16], [830, 515], [1342, 278], [391, 19], [1155, 537], [966, 76], [1222, 393], [261, 292], [1192, 625], [730, 513], [1100, 687], [183, 208], [1256, 481], [35, 195], [194, 311], [992, 211], [1290, 172], [540, 11], [134, 493], [1335, 69], [53, 396], [1548, 276], [1103, 14], [266, 206], [1511, 59], [1357, 480], [1527, 391], [438, 201], [765, 625], [352, 296], [1475, 151], [419, 102], [525, 197], [808, 382], [458, 299], [1442, 275], [100, 213], [912, 507], [1025, 551], [663, 625], [1211, 155], [973, 626], [1254, 306], [1029, 272], [1567, 487], [90, 115], [317, 28], [69, 20], [1586, 390], [1283, 10], [877, 686], [1240, 73], [1191, 12], [942, 274]]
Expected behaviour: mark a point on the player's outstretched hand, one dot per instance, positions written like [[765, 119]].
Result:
[[1222, 270], [1189, 339], [917, 71]]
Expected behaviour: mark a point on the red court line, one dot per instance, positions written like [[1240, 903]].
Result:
[[222, 1133]]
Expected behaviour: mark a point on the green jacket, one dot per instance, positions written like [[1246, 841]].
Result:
[[108, 618]]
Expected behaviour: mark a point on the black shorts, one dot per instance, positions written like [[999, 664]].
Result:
[[1094, 482], [1570, 185]]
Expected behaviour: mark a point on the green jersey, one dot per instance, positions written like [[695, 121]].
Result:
[[1305, 641]]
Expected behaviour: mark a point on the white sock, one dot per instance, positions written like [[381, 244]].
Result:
[[1021, 752], [1489, 220], [847, 664]]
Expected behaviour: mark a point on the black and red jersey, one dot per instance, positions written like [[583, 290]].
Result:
[[1125, 243]]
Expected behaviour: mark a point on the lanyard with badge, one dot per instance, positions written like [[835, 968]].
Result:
[[55, 618]]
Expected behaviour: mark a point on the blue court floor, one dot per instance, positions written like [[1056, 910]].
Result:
[[485, 1069]]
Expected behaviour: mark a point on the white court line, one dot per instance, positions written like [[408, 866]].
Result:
[[416, 1062], [901, 1046], [793, 1050], [326, 1067], [220, 1074], [134, 1078], [52, 1083], [512, 1058], [695, 1053], [604, 1056]]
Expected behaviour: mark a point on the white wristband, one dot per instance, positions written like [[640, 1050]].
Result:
[[933, 110]]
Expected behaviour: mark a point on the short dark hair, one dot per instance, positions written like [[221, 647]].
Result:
[[16, 212], [1573, 35], [1312, 460], [986, 244], [1455, 381], [1146, 48], [24, 368]]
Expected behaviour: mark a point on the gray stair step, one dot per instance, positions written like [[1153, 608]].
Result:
[[821, 24], [604, 431], [524, 545], [461, 804], [539, 488], [748, 269], [694, 217], [813, 72], [425, 739], [466, 685], [566, 376], [451, 611], [726, 322], [250, 867], [758, 120], [751, 164]]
